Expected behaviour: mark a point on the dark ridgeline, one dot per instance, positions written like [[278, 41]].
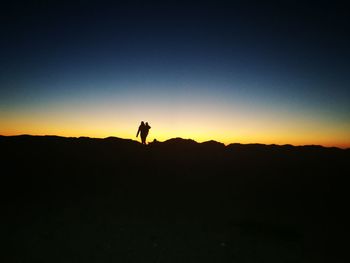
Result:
[[113, 200]]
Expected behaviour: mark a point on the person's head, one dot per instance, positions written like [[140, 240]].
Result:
[[147, 123], [142, 123]]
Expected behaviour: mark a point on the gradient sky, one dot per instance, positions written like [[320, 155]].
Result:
[[229, 71]]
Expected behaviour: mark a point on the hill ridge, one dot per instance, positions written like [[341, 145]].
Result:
[[180, 141]]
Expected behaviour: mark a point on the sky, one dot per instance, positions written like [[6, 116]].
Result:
[[234, 71]]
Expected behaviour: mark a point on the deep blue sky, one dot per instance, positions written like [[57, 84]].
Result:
[[291, 57]]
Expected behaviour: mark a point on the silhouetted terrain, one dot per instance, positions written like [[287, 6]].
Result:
[[115, 200]]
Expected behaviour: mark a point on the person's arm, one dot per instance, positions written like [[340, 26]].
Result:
[[138, 131]]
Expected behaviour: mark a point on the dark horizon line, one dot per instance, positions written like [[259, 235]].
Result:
[[179, 138]]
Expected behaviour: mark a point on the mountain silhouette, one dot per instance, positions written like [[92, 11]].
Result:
[[114, 199]]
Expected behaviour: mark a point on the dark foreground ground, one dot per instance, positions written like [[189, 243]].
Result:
[[112, 200]]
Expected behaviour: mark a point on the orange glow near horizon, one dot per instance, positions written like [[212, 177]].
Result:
[[199, 122]]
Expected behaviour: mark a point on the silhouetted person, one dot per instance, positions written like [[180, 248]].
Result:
[[147, 127], [143, 130]]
